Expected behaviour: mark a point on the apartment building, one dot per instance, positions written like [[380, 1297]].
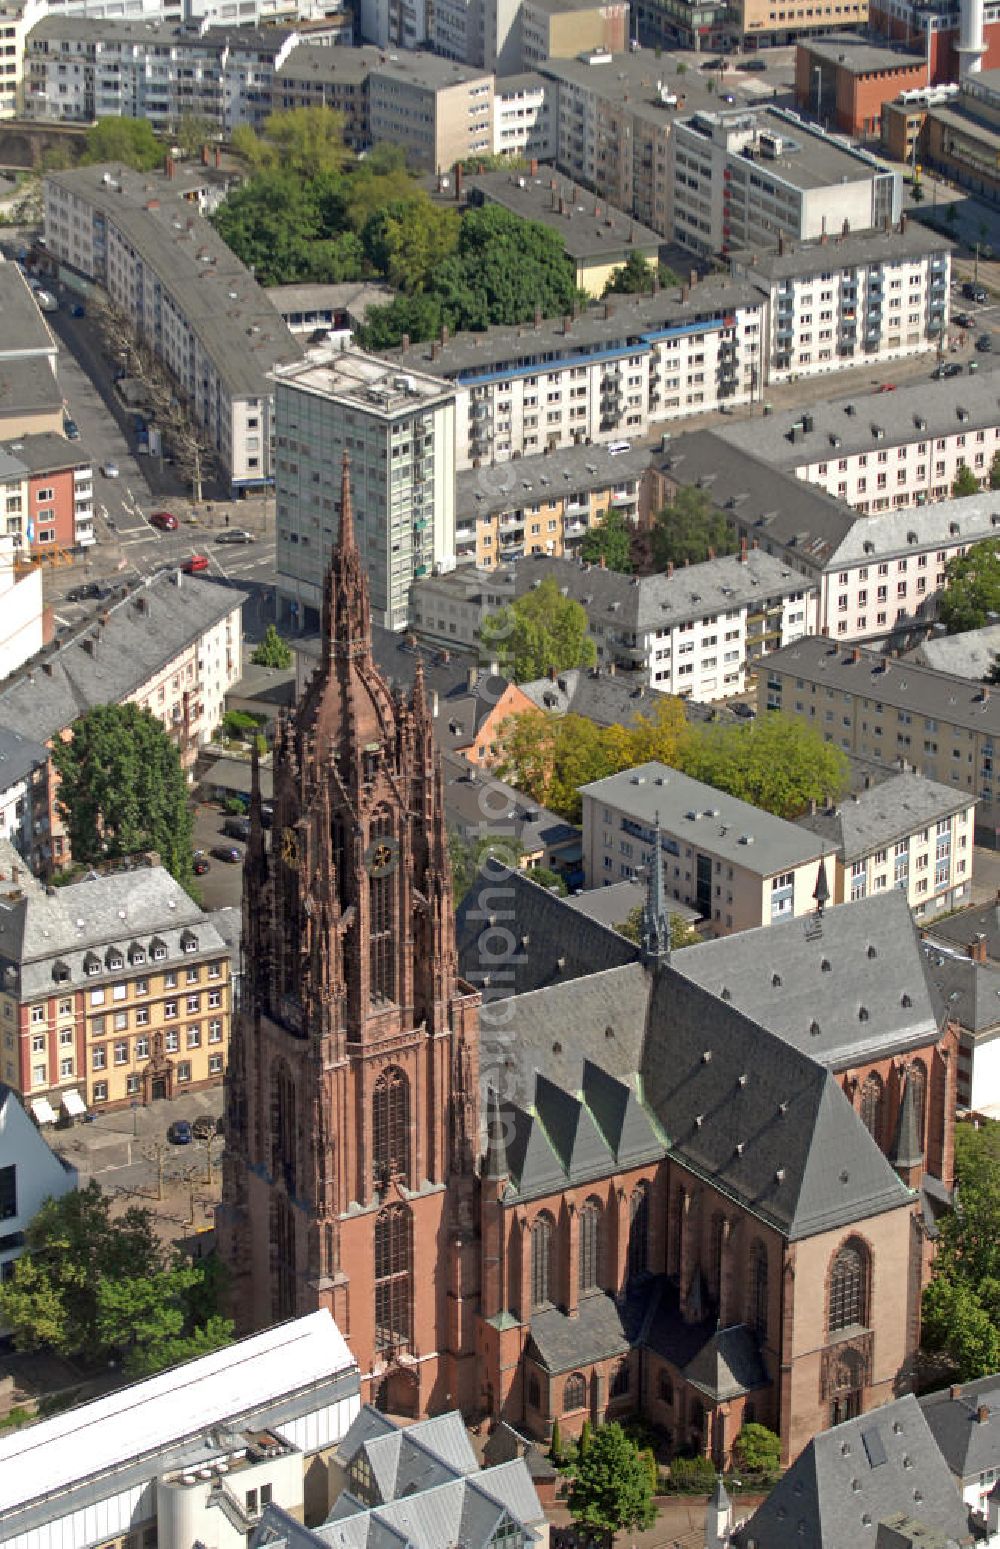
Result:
[[399, 428], [17, 18], [970, 987], [876, 579], [115, 989], [523, 117], [23, 787], [441, 110], [606, 374], [21, 611], [844, 81], [57, 509], [598, 239], [192, 301], [906, 833], [336, 78], [972, 654], [738, 866], [172, 646], [542, 505], [563, 29], [740, 178], [860, 296], [897, 713], [25, 336], [919, 437], [777, 22]]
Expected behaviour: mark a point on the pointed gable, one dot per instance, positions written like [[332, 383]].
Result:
[[534, 1166], [571, 1131], [620, 1117]]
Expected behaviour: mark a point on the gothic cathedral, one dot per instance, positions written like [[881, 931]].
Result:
[[352, 1090]]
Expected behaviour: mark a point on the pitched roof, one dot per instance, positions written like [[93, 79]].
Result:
[[961, 930], [759, 1118], [851, 1478], [968, 992], [968, 655], [601, 1329], [970, 1445], [613, 904], [847, 987], [878, 817], [19, 755], [606, 699]]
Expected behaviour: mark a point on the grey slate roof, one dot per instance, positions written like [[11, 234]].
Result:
[[47, 452], [106, 663], [607, 699], [856, 248], [602, 1329], [727, 827], [969, 655], [560, 474], [612, 905], [758, 1118], [588, 227], [552, 946], [969, 992], [18, 757], [808, 980], [727, 1365], [473, 797], [876, 818], [970, 1446], [837, 1491], [24, 333]]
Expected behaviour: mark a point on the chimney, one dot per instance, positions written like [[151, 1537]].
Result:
[[812, 806], [711, 553], [562, 205], [538, 317], [434, 351], [533, 167], [597, 211], [567, 323], [755, 543], [855, 653], [670, 568], [206, 155], [955, 1391], [604, 563], [218, 156], [405, 341], [982, 1415], [977, 949], [781, 244], [15, 873], [743, 551], [552, 674], [444, 333], [684, 293], [472, 678], [611, 669], [693, 277], [902, 224], [170, 167], [985, 694]]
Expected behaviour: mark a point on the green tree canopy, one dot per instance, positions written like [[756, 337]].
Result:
[[540, 630], [681, 933], [272, 651], [611, 1488], [193, 132], [287, 230], [130, 141], [688, 528], [757, 1450], [634, 277], [406, 240], [488, 858], [611, 541], [777, 762], [965, 483], [99, 1289], [995, 471], [306, 142], [973, 588], [961, 1311], [122, 789]]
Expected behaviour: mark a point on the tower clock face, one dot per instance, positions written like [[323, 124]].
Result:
[[289, 847], [381, 857]]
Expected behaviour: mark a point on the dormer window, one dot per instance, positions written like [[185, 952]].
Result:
[[91, 964], [60, 972], [157, 949], [114, 960], [189, 941], [136, 954]]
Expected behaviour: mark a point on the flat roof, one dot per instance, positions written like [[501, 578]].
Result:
[[24, 333], [690, 810], [109, 29], [348, 66], [366, 381], [842, 427], [904, 685], [910, 239], [431, 71], [615, 325], [46, 452], [810, 159], [558, 474], [28, 386], [645, 81], [860, 57], [588, 226]]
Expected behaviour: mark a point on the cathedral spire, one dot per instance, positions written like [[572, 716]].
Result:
[[419, 691], [656, 913], [346, 540], [495, 1160]]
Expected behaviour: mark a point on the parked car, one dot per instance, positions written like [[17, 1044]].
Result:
[[964, 320], [164, 520], [85, 593], [71, 429], [713, 64], [745, 712], [201, 865], [203, 1126], [984, 343], [973, 292], [886, 387], [236, 535], [225, 852], [110, 470], [752, 64], [78, 309], [237, 828], [952, 369], [180, 1133], [195, 563]]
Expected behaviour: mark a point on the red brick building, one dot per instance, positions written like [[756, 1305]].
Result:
[[933, 29], [844, 81], [540, 1172], [60, 509]]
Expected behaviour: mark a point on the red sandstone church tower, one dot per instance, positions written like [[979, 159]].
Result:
[[351, 1104]]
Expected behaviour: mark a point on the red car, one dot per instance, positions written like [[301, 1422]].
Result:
[[195, 563], [164, 520], [200, 865]]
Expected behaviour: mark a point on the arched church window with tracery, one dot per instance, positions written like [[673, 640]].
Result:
[[382, 882], [391, 1126], [393, 1278]]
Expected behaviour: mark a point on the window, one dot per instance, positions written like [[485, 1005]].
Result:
[[100, 1091], [382, 909], [193, 1004], [849, 1287], [66, 1066], [621, 1379], [574, 1393], [121, 1052], [666, 1387], [871, 1107], [391, 1126], [638, 1231], [392, 1278], [184, 1070], [99, 1057], [38, 1013], [542, 1233], [171, 1040], [916, 1081], [8, 1193], [534, 1393], [757, 1309], [215, 998], [215, 1031], [38, 1043], [194, 1036], [590, 1246], [215, 1064]]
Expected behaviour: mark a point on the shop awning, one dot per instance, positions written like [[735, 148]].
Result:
[[42, 1109], [74, 1104]]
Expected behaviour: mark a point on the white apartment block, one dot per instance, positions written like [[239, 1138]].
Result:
[[603, 376], [738, 866], [163, 265], [440, 109], [739, 178], [399, 429], [872, 297], [524, 117], [24, 766], [17, 17], [21, 610], [885, 452]]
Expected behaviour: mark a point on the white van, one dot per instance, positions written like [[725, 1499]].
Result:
[[614, 447]]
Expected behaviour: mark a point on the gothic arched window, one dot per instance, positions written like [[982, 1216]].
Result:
[[916, 1080], [391, 1126], [381, 896], [638, 1231], [590, 1246], [849, 1287], [283, 1137], [393, 1278], [542, 1233], [718, 1240], [282, 1257], [574, 1393], [621, 1378], [757, 1299], [871, 1106]]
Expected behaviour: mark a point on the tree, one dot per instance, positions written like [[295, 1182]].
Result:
[[611, 1488], [272, 651], [965, 483], [407, 240], [995, 471], [635, 276], [778, 763], [687, 529], [122, 789], [306, 142], [547, 878], [193, 133], [757, 1450], [972, 589], [485, 858], [681, 933], [130, 141], [610, 541], [961, 1305], [541, 630], [100, 1289]]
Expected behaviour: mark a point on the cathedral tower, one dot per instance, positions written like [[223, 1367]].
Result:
[[351, 1102]]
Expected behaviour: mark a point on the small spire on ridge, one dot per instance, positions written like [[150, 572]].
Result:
[[345, 537]]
